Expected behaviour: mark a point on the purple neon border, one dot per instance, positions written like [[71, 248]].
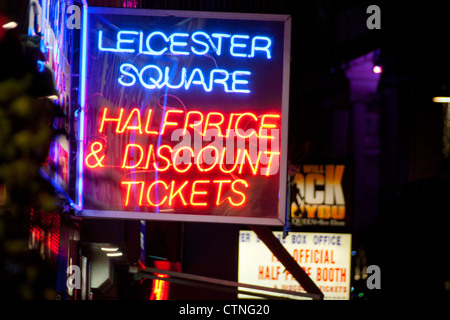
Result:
[[280, 220], [81, 122]]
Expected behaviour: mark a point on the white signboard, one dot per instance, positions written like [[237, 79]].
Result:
[[325, 257]]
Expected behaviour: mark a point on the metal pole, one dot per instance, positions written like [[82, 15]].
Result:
[[220, 284], [265, 235]]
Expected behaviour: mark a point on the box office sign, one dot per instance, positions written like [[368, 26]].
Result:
[[325, 257], [318, 197], [184, 116]]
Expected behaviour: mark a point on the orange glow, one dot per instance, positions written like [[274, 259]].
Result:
[[215, 182], [169, 123], [194, 192], [177, 154], [271, 153], [219, 191], [223, 161], [160, 288], [126, 154], [267, 125], [150, 155], [129, 183], [104, 119], [165, 146], [236, 191], [150, 188], [188, 116], [147, 123], [239, 119], [94, 154], [229, 123], [213, 120], [178, 191], [199, 158], [208, 122], [129, 120], [247, 155]]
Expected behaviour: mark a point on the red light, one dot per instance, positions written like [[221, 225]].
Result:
[[208, 167], [377, 69], [134, 122], [160, 289], [98, 161], [141, 191], [44, 231]]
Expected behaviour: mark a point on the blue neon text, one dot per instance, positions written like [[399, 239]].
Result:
[[153, 77], [198, 43], [179, 43]]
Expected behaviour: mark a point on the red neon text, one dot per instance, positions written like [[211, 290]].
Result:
[[137, 157], [138, 121], [195, 193]]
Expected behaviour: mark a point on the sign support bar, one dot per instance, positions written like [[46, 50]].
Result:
[[225, 285], [265, 235]]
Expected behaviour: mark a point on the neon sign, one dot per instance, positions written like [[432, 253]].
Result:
[[129, 41], [177, 43], [183, 119], [157, 79]]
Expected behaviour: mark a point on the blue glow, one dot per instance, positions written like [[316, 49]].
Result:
[[124, 69], [141, 37], [240, 81], [40, 65], [120, 40], [238, 45], [44, 7], [167, 76], [152, 77], [147, 42], [157, 83], [100, 46], [219, 37], [204, 44], [266, 48], [81, 132], [223, 81], [157, 43], [199, 81], [174, 43]]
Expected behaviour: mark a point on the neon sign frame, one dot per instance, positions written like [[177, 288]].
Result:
[[238, 87]]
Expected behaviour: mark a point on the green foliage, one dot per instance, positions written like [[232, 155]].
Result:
[[25, 135]]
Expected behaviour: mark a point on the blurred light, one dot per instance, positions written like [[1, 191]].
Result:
[[52, 97], [114, 254], [353, 253], [160, 288], [361, 294], [441, 99], [10, 25], [41, 65], [109, 249], [377, 69]]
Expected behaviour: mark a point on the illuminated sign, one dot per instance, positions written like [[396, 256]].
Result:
[[325, 257], [50, 22], [318, 196], [184, 116]]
